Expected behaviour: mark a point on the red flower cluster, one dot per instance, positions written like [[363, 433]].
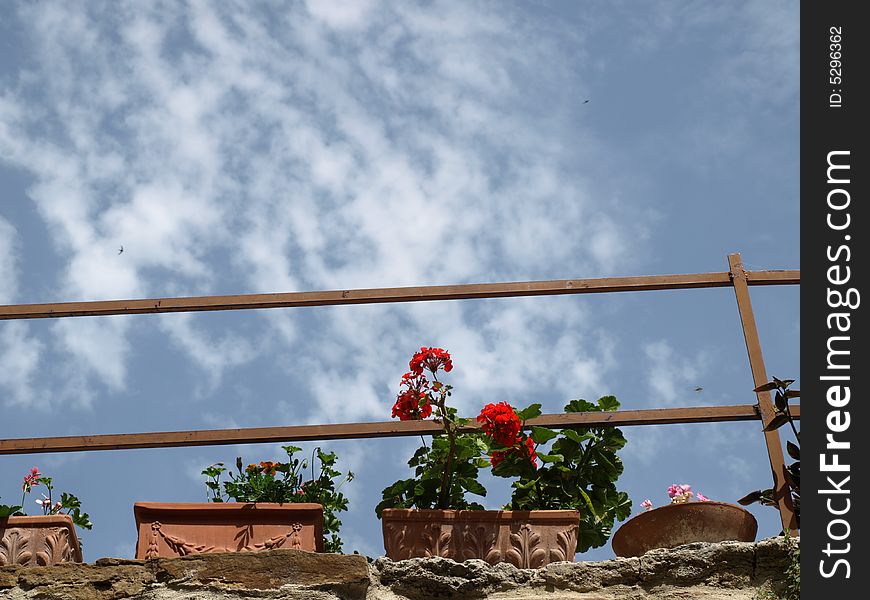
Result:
[[432, 359], [501, 423], [414, 402], [527, 449]]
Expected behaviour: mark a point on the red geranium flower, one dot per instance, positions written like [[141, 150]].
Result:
[[530, 451], [414, 402], [497, 457], [432, 359], [501, 423], [527, 449]]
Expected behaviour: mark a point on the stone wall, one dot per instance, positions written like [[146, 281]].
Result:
[[731, 570]]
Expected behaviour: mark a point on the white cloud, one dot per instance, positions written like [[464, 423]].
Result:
[[8, 274], [339, 14], [20, 352], [212, 353], [276, 151], [19, 365]]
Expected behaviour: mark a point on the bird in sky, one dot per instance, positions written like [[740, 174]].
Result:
[[121, 250], [586, 102], [698, 389]]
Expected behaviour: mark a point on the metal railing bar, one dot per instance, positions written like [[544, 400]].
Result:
[[302, 433], [388, 295]]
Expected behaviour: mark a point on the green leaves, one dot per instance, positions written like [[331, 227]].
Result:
[[73, 507], [429, 463], [608, 403], [579, 472], [550, 458], [542, 435], [9, 511], [288, 481], [68, 504], [531, 412]]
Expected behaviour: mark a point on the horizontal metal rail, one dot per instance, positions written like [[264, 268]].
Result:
[[303, 433], [383, 295]]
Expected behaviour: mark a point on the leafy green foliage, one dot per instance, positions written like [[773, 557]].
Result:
[[73, 507], [67, 505], [782, 417], [10, 510], [579, 472], [286, 482], [429, 464]]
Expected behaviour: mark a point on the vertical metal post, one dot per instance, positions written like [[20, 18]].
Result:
[[765, 405]]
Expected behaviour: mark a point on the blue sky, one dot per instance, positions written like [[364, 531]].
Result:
[[242, 147]]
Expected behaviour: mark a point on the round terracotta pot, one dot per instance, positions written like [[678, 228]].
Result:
[[677, 524]]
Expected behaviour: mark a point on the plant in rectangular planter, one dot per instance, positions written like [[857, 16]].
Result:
[[275, 507], [571, 493], [45, 539]]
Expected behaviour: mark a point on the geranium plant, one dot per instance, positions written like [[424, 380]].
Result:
[[68, 504], [289, 481], [679, 493], [578, 471]]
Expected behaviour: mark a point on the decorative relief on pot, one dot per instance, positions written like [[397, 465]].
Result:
[[525, 539], [411, 540], [526, 551], [15, 548], [38, 541], [57, 549], [436, 542], [394, 542], [185, 529], [176, 544], [481, 541], [566, 546], [185, 548]]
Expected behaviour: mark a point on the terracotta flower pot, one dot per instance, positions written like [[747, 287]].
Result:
[[676, 524], [38, 541], [527, 539], [175, 529]]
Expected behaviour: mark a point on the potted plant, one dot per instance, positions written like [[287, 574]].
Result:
[[262, 507], [682, 522], [45, 539], [569, 501]]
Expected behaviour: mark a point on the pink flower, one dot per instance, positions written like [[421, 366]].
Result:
[[680, 492], [702, 497], [31, 479], [647, 504]]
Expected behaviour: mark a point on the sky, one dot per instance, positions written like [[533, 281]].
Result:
[[240, 147]]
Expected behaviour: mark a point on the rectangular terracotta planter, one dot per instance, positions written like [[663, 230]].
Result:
[[180, 529], [38, 541], [527, 539]]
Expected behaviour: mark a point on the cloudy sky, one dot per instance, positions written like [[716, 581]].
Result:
[[236, 147]]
